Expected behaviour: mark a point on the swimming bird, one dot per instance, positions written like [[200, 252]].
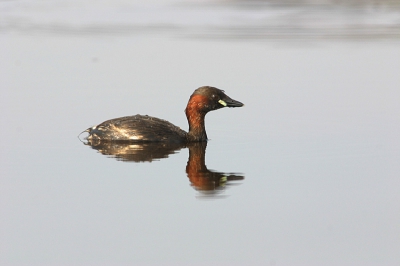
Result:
[[144, 128]]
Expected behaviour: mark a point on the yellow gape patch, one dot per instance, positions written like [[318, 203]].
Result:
[[222, 102]]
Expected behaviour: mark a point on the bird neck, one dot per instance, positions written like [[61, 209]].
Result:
[[195, 116]]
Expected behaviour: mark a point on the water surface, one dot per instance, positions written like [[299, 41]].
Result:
[[316, 144]]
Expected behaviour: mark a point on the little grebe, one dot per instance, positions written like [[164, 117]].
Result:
[[139, 128]]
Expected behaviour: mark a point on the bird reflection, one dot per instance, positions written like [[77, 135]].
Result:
[[135, 152], [201, 178], [207, 182]]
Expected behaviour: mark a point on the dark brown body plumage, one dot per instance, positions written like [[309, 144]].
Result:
[[137, 128]]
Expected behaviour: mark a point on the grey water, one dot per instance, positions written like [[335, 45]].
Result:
[[306, 173]]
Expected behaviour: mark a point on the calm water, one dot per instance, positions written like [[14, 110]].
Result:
[[306, 173]]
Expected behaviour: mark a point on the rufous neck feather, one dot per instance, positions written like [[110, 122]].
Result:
[[195, 115]]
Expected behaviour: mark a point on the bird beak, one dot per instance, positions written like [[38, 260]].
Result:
[[228, 102]]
